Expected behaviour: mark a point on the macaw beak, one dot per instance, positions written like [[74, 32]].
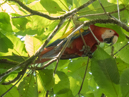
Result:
[[112, 40]]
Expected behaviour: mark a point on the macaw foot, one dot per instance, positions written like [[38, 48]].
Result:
[[86, 51]]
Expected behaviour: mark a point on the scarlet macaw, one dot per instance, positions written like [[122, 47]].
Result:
[[76, 46]]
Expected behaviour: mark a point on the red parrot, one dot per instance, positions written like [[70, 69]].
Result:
[[76, 47]]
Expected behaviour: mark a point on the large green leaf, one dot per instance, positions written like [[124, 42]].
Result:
[[5, 43], [28, 87], [12, 93], [124, 83], [54, 6], [19, 23], [47, 79], [105, 72], [19, 46], [77, 68], [121, 65], [62, 85], [32, 44], [5, 24]]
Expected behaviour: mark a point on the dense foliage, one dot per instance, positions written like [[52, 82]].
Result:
[[22, 33]]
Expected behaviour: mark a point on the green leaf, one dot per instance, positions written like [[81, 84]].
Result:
[[19, 23], [123, 52], [124, 83], [28, 87], [62, 85], [77, 68], [19, 46], [46, 76], [105, 72], [120, 1], [5, 43], [54, 6], [5, 22], [32, 44], [12, 93], [27, 1], [121, 65]]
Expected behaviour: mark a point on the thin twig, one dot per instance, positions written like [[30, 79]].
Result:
[[33, 11], [22, 16], [3, 2], [83, 39], [87, 49], [94, 36], [112, 50], [50, 17], [98, 14], [56, 66], [118, 9], [103, 8], [121, 49], [47, 64], [84, 76]]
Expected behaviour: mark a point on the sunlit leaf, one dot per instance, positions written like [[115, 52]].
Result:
[[19, 23], [54, 5], [31, 44], [62, 85], [28, 87], [13, 92], [5, 43], [19, 46], [5, 22], [47, 79]]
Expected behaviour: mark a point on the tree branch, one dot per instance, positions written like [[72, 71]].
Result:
[[50, 17], [22, 16], [33, 11]]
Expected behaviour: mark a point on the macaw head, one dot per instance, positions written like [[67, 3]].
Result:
[[105, 34], [110, 36]]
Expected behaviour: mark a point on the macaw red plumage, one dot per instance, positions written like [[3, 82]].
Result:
[[76, 46]]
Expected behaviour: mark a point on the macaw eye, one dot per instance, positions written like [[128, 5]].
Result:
[[110, 31]]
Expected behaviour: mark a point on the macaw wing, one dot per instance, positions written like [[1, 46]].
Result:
[[76, 35]]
